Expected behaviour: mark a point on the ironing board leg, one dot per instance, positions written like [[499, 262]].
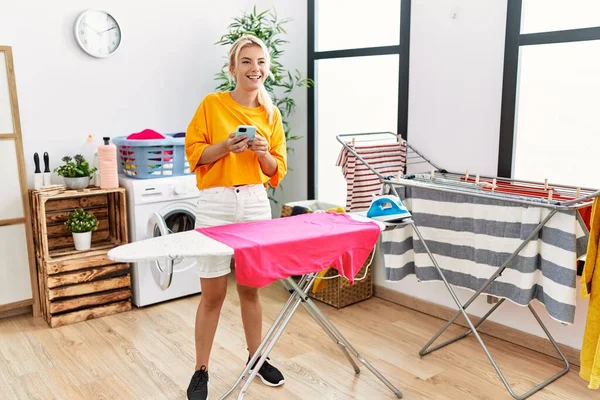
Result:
[[299, 296], [329, 332], [318, 315], [473, 328], [271, 343], [291, 304]]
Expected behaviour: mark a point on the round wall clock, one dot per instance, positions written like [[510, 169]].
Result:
[[97, 33]]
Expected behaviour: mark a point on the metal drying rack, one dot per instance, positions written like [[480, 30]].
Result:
[[548, 195]]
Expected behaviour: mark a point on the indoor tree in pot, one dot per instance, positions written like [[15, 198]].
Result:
[[76, 172], [81, 224], [267, 27]]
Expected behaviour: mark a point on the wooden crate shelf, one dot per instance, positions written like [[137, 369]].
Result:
[[78, 285], [52, 210]]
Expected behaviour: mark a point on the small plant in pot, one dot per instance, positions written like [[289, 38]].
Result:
[[76, 172], [81, 224]]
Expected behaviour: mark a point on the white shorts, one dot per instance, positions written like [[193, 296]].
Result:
[[226, 205]]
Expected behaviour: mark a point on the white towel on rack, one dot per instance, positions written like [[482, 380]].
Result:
[[361, 182], [471, 237]]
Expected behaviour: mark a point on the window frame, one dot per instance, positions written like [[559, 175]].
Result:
[[514, 39], [402, 50]]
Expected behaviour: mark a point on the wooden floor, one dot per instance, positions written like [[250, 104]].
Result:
[[149, 354]]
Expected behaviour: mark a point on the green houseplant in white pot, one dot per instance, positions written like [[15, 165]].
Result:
[[81, 224], [76, 172]]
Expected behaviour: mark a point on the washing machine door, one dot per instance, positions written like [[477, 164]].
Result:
[[162, 270]]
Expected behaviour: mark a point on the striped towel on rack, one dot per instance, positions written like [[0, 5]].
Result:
[[361, 182], [471, 237]]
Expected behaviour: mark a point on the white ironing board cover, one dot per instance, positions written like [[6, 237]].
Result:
[[189, 244]]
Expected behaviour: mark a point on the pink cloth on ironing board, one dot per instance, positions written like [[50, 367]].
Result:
[[267, 251]]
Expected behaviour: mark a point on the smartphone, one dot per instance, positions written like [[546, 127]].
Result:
[[246, 130]]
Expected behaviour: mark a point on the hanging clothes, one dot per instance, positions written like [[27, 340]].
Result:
[[361, 182], [532, 190], [471, 237], [590, 288]]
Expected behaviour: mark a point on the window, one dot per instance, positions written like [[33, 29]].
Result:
[[558, 15], [351, 101], [350, 24], [358, 57], [549, 126], [557, 123]]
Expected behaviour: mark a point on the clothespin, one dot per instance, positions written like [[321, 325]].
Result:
[[432, 174], [477, 178], [550, 195], [546, 184], [492, 299], [399, 174], [493, 184], [352, 141], [467, 175], [577, 193]]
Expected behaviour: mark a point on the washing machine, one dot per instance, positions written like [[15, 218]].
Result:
[[159, 207]]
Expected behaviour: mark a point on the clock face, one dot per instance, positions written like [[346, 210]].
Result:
[[97, 33]]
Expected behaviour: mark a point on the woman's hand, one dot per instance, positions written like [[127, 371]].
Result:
[[236, 144], [260, 146]]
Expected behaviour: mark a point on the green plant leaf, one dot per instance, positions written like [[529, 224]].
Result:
[[75, 167], [80, 221]]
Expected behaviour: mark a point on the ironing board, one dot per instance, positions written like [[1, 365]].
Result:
[[197, 245]]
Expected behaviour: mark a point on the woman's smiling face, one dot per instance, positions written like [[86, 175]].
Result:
[[251, 68]]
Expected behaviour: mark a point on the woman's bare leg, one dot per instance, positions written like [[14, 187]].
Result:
[[207, 316], [251, 316]]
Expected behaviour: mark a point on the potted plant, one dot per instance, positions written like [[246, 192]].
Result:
[[270, 29], [76, 172], [81, 224]]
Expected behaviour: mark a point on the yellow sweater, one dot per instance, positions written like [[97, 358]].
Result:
[[218, 116], [590, 287]]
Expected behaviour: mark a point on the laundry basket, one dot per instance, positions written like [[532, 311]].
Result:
[[152, 158], [337, 292]]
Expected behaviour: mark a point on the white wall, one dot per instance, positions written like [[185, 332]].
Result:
[[455, 83], [454, 118], [165, 65]]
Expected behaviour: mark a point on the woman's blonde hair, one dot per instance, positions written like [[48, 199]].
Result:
[[250, 40]]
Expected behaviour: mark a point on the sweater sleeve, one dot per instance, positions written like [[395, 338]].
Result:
[[278, 149], [197, 138]]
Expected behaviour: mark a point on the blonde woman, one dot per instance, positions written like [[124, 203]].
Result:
[[232, 174]]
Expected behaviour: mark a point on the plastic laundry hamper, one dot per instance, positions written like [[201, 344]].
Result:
[[337, 292], [152, 158]]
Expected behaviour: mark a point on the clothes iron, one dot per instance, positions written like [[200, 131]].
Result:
[[387, 208]]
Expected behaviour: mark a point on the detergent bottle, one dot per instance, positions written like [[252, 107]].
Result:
[[89, 152], [107, 164]]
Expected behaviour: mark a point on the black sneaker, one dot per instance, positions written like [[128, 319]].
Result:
[[198, 388], [268, 374]]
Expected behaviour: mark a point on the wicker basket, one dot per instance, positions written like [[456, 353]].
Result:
[[337, 292]]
